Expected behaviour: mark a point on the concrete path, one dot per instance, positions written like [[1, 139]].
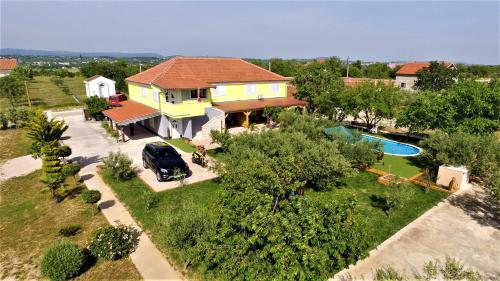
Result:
[[90, 144], [465, 227], [19, 166], [148, 260]]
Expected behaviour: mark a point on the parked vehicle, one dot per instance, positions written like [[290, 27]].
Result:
[[115, 100], [164, 161]]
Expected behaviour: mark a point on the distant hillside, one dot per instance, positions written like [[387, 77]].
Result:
[[24, 52]]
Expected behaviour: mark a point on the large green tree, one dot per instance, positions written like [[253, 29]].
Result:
[[44, 132], [316, 80], [467, 106], [11, 89], [375, 101], [435, 77], [267, 224]]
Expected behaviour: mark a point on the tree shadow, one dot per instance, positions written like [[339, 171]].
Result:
[[86, 177], [90, 261], [106, 204], [85, 161], [478, 207]]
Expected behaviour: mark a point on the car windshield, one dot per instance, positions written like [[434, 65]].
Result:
[[167, 152]]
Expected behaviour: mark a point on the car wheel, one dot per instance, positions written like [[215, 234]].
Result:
[[158, 176], [144, 164]]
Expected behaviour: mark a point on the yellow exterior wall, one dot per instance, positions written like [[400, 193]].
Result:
[[182, 109], [235, 92]]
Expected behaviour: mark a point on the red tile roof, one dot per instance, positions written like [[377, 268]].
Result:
[[129, 112], [412, 68], [8, 64], [193, 72], [249, 105]]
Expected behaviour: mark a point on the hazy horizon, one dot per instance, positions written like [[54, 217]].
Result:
[[370, 31]]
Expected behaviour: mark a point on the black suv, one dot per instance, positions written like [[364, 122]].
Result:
[[164, 161]]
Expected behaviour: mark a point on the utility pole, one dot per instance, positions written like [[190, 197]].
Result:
[[140, 67], [347, 69], [27, 93], [269, 65]]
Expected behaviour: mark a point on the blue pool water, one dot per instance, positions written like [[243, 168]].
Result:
[[394, 147]]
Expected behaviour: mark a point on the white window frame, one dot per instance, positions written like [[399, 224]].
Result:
[[144, 92], [220, 91], [251, 89], [274, 88], [156, 96]]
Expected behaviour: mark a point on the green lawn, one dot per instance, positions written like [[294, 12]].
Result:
[[13, 143], [405, 167], [29, 223], [45, 94], [132, 193], [180, 144], [378, 225]]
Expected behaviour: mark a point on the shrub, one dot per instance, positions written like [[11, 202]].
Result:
[[66, 90], [65, 151], [70, 170], [95, 105], [4, 121], [113, 242], [394, 197], [91, 196], [151, 200], [69, 230], [221, 138], [118, 165], [388, 274], [62, 261]]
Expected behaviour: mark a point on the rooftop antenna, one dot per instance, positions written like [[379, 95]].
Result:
[[347, 69]]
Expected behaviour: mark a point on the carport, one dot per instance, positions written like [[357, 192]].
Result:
[[128, 113], [243, 108]]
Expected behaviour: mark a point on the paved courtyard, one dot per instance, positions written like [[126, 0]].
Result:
[[88, 136], [465, 227]]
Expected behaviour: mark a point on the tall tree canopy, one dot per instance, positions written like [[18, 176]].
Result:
[[11, 89], [435, 77], [467, 106], [375, 101]]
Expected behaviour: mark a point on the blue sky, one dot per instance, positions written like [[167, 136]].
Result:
[[383, 30]]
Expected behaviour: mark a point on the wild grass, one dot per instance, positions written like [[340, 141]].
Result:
[[30, 221]]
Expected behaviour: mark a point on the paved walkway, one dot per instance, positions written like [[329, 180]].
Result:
[[19, 166], [465, 227], [90, 144], [148, 260]]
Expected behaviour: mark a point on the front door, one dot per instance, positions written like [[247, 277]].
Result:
[[176, 128]]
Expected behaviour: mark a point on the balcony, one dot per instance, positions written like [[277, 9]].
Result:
[[186, 108]]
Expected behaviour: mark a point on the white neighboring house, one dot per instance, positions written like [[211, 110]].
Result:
[[99, 86], [406, 76], [6, 66]]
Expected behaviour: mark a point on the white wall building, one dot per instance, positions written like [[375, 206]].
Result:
[[406, 76], [6, 66], [99, 86]]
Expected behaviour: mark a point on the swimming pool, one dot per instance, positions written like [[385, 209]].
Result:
[[393, 147]]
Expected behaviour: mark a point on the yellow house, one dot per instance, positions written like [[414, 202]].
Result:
[[189, 96]]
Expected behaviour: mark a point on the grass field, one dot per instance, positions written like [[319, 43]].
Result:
[[29, 223], [363, 186], [13, 143], [180, 144], [45, 94], [405, 167]]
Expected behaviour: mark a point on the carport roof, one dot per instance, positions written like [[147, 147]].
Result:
[[249, 105], [130, 112]]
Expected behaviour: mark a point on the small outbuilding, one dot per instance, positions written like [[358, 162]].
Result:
[[99, 86]]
